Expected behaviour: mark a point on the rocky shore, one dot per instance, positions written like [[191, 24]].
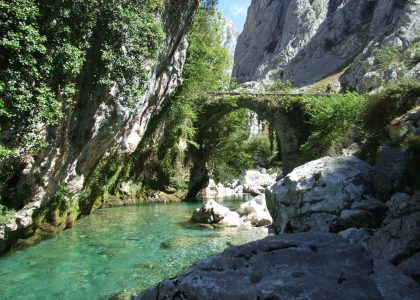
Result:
[[290, 266], [338, 239]]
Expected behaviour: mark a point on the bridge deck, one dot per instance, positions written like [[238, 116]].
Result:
[[269, 94]]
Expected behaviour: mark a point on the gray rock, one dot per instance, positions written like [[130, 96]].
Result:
[[359, 236], [229, 36], [255, 178], [304, 41], [411, 267], [255, 211], [398, 239], [402, 204], [211, 213], [389, 170], [291, 266], [356, 218], [391, 282], [313, 196]]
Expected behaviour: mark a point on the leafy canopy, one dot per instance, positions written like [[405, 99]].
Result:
[[50, 50]]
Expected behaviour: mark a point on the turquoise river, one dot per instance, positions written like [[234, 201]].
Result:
[[115, 250]]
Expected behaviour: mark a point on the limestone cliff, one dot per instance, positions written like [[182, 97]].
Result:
[[306, 40], [54, 186], [229, 36]]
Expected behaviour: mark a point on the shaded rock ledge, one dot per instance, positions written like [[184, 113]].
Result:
[[290, 266]]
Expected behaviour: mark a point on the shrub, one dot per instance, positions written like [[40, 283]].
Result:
[[237, 151], [6, 214], [334, 118], [388, 104], [381, 109], [279, 86], [47, 45]]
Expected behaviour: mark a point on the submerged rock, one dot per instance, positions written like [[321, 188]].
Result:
[[179, 242], [290, 266]]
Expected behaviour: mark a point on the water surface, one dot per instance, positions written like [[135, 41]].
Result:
[[113, 250]]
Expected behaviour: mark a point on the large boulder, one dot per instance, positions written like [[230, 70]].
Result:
[[290, 266], [328, 194]]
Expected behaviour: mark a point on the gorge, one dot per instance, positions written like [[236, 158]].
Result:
[[114, 103]]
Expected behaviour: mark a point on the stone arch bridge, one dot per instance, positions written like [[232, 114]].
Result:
[[286, 113]]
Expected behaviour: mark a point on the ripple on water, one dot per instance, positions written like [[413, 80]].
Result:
[[113, 250]]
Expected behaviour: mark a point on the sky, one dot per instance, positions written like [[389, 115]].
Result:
[[235, 10]]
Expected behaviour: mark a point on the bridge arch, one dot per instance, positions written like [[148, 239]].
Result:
[[274, 108]]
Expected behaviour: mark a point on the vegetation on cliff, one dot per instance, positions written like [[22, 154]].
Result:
[[340, 120], [206, 72], [52, 52]]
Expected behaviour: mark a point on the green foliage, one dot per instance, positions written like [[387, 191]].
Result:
[[279, 86], [60, 194], [5, 152], [389, 58], [102, 181], [233, 150], [236, 155], [204, 72], [381, 109], [46, 46], [333, 118], [26, 99], [106, 174], [6, 214], [388, 104]]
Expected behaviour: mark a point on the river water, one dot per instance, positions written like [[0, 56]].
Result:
[[114, 250]]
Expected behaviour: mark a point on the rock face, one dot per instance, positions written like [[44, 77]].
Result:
[[334, 195], [229, 36], [399, 236], [329, 194], [291, 266], [97, 127], [303, 41]]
